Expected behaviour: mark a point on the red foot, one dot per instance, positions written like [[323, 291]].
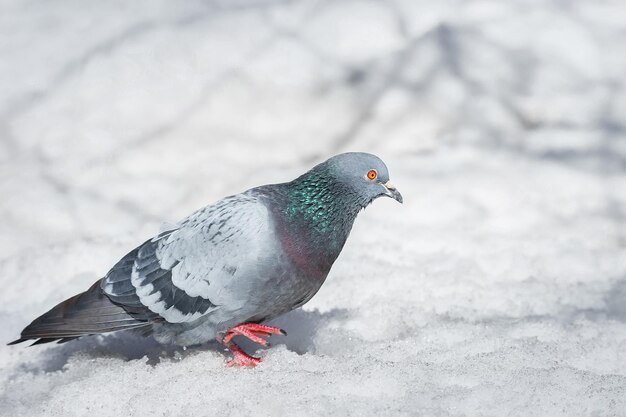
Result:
[[241, 358], [253, 331]]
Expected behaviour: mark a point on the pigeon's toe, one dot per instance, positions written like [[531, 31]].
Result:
[[241, 358], [253, 331]]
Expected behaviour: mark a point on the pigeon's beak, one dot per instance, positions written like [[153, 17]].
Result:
[[392, 192]]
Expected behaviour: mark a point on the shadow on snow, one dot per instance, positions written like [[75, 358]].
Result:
[[301, 327]]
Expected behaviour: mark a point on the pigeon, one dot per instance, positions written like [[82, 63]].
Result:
[[229, 267]]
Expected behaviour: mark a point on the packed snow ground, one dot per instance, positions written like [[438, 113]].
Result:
[[498, 288]]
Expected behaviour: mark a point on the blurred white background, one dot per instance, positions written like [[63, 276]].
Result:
[[498, 288]]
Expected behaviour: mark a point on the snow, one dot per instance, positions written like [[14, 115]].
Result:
[[498, 288]]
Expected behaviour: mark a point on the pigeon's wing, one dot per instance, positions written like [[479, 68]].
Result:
[[185, 273]]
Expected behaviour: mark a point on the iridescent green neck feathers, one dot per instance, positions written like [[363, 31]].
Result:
[[323, 207]]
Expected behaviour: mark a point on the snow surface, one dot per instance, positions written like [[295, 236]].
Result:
[[498, 288]]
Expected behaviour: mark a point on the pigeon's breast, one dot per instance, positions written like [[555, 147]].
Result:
[[307, 261]]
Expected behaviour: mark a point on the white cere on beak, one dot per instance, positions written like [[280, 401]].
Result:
[[388, 185]]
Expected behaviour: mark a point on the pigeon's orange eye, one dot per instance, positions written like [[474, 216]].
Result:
[[372, 174]]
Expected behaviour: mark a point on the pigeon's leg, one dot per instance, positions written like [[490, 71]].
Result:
[[252, 331]]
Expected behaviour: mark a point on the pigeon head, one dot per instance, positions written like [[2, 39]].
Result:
[[323, 203], [362, 176]]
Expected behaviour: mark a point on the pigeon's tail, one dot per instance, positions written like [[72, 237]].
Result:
[[87, 313]]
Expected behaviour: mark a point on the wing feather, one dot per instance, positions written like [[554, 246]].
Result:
[[187, 272]]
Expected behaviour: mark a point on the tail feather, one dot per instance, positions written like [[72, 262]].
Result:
[[90, 312]]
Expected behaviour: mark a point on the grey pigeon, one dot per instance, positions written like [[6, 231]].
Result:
[[229, 266]]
